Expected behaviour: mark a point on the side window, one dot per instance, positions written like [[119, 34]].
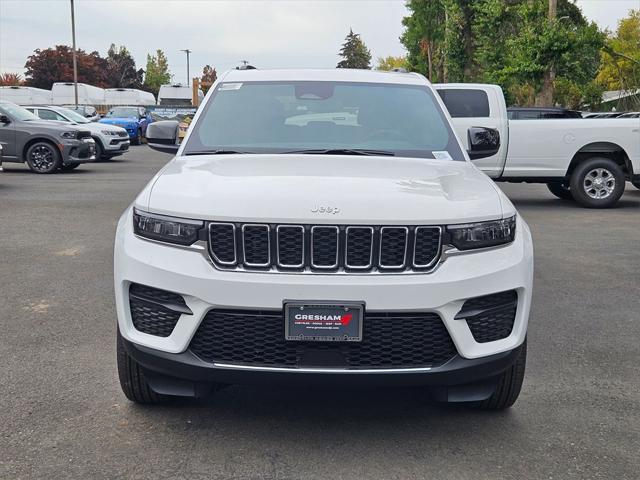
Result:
[[49, 115], [463, 103]]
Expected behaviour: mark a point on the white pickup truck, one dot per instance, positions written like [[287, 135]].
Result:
[[583, 159]]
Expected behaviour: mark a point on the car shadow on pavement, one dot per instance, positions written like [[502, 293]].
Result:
[[629, 200], [307, 406]]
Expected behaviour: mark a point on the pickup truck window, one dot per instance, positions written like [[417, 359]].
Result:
[[278, 117], [463, 103]]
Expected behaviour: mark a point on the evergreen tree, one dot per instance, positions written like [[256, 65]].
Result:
[[354, 53]]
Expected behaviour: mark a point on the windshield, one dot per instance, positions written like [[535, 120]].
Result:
[[73, 116], [16, 112], [123, 112], [280, 117]]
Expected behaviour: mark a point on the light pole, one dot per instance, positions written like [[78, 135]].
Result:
[[75, 61], [187, 51]]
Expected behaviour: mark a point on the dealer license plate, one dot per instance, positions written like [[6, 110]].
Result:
[[323, 322]]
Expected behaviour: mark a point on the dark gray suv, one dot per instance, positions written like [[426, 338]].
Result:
[[45, 146]]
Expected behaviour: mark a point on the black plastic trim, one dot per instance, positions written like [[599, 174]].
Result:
[[178, 369]]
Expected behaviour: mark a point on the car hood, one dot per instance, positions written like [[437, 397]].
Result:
[[294, 188], [118, 120], [99, 127]]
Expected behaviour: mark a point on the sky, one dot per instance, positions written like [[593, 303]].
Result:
[[222, 33]]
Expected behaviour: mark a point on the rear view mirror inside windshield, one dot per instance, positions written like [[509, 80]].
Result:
[[314, 90]]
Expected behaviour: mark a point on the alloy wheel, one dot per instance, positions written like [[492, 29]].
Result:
[[42, 158], [599, 183]]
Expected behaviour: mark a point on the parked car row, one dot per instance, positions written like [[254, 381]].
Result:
[[45, 146], [49, 138], [110, 140]]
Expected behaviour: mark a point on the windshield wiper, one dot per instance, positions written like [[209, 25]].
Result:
[[214, 152], [344, 151]]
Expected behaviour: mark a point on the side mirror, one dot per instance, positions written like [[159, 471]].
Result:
[[163, 136], [4, 119], [483, 142]]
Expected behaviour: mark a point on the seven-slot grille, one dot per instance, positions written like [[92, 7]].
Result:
[[324, 248]]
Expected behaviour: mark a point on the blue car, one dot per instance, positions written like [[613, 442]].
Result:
[[133, 119]]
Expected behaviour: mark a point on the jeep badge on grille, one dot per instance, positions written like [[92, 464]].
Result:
[[329, 210]]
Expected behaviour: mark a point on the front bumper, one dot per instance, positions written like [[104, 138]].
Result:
[[116, 145], [184, 374], [78, 151], [187, 271]]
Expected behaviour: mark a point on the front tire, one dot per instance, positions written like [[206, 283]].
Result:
[[597, 183], [43, 157], [560, 190], [132, 380], [99, 151], [509, 384]]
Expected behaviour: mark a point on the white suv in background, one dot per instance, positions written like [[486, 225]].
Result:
[[325, 227], [110, 139]]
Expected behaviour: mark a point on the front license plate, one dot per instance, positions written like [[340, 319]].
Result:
[[323, 322]]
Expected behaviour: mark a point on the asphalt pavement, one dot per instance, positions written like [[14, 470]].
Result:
[[62, 414]]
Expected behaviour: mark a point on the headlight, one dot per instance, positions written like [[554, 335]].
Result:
[[69, 134], [483, 234], [109, 132], [166, 229]]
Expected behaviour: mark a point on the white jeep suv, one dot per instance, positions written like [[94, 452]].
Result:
[[322, 226]]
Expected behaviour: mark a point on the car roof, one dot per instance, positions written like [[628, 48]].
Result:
[[331, 75]]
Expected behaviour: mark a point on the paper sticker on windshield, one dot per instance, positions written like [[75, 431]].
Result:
[[229, 86], [442, 155]]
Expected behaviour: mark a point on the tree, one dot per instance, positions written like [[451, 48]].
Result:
[[424, 31], [157, 72], [121, 69], [620, 57], [45, 67], [354, 53], [390, 62], [209, 75], [10, 80], [521, 45]]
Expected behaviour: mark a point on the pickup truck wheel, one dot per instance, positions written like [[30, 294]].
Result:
[[509, 384], [43, 157], [137, 140], [597, 183], [132, 381], [560, 190]]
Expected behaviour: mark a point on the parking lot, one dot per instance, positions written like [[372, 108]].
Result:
[[63, 414]]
